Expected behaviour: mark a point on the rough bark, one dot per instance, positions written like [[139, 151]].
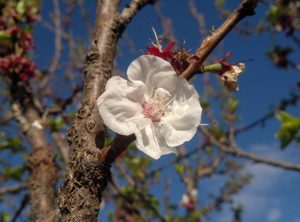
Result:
[[87, 176]]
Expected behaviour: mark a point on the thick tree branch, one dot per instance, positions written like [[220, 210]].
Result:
[[245, 9], [236, 151]]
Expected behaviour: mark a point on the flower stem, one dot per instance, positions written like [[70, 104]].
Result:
[[214, 68]]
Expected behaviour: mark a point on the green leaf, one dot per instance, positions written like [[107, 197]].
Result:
[[5, 217], [21, 7], [56, 124], [232, 104], [15, 172], [179, 168], [4, 36], [289, 130], [12, 143]]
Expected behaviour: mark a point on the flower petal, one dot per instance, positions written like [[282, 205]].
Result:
[[148, 141], [180, 122], [120, 105], [154, 72]]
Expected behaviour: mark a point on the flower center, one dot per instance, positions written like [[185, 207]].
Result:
[[155, 107]]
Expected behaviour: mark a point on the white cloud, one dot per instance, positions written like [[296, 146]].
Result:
[[261, 198], [297, 220], [264, 199], [274, 214]]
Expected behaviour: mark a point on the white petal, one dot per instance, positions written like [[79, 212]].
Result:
[[154, 72], [120, 105], [180, 123], [148, 141]]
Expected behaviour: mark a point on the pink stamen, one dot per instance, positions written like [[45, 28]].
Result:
[[153, 111]]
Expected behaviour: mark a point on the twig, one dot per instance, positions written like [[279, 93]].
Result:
[[282, 106], [85, 16], [57, 25], [13, 188], [7, 117], [128, 200], [236, 151], [246, 8], [198, 17], [208, 170], [24, 202], [59, 141], [166, 23]]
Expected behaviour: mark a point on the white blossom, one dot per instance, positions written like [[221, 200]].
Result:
[[159, 107]]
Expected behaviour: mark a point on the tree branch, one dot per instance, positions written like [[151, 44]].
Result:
[[292, 101], [60, 143], [236, 151], [12, 188], [246, 8], [129, 12], [6, 118], [41, 162], [57, 22]]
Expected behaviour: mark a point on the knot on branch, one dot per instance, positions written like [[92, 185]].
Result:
[[72, 131], [93, 55], [90, 125], [84, 111], [248, 7]]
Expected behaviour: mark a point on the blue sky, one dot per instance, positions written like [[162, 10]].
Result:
[[273, 195]]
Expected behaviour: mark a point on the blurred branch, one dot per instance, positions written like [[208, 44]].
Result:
[[230, 188], [166, 22], [13, 188], [292, 101], [85, 16], [129, 208], [245, 9], [57, 25], [236, 151], [23, 204], [6, 118], [209, 169], [59, 141], [42, 177], [132, 183], [198, 17]]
